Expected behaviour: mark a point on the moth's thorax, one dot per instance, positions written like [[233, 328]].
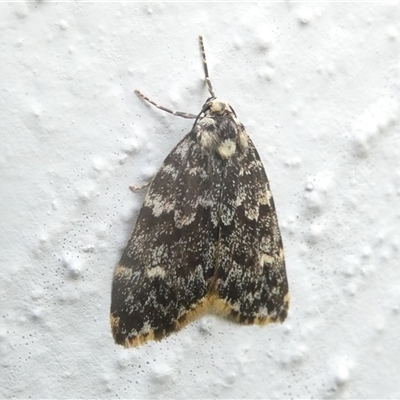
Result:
[[219, 131]]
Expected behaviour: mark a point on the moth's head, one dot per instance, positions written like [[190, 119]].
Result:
[[217, 106]]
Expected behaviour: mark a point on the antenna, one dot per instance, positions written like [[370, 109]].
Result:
[[203, 56], [180, 113]]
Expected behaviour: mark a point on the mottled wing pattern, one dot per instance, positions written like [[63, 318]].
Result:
[[206, 238], [166, 269], [250, 280]]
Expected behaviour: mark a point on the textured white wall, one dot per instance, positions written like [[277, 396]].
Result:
[[318, 87]]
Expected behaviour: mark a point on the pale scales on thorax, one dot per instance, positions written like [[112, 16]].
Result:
[[210, 130]]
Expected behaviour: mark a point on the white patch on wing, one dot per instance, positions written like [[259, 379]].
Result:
[[266, 259], [158, 204], [156, 272]]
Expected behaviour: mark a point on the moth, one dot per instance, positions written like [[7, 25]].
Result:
[[207, 237]]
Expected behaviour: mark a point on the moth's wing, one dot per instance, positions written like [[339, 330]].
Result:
[[251, 284], [165, 271]]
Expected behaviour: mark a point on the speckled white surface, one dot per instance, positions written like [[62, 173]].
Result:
[[318, 87]]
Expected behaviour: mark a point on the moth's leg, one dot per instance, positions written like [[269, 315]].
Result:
[[138, 188]]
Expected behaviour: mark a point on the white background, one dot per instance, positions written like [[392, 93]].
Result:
[[317, 86]]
